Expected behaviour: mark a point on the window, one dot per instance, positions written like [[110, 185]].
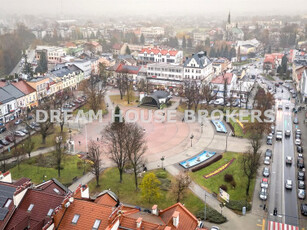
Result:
[[7, 204], [75, 219], [30, 207], [96, 224], [50, 212]]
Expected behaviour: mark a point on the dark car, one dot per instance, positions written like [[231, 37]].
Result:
[[1, 146], [299, 149], [268, 153], [2, 129], [300, 163], [304, 209], [30, 117], [19, 121], [297, 136], [301, 184], [269, 141], [9, 138], [4, 142], [301, 175]]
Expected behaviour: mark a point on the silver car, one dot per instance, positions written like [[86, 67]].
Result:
[[289, 184], [301, 194], [263, 194]]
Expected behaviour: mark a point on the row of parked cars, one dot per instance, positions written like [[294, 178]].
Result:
[[264, 184]]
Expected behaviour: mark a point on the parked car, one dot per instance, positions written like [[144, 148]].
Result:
[[9, 138], [1, 146], [4, 142], [298, 136], [297, 142], [266, 161], [304, 209], [17, 122], [299, 149], [264, 183], [300, 163], [287, 133], [19, 134], [266, 172], [35, 124], [301, 175], [263, 194], [214, 228], [269, 141], [288, 160], [2, 129], [287, 106], [268, 153], [288, 184], [298, 131], [295, 121], [219, 101], [301, 184], [30, 117], [301, 194], [24, 131]]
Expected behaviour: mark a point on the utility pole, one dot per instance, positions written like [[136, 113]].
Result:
[[205, 214]]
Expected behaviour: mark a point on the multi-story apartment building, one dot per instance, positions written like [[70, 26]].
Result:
[[54, 54], [152, 32], [149, 55], [198, 67], [40, 84]]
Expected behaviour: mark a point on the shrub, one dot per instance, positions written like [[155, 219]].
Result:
[[238, 205], [228, 178], [233, 184], [207, 163], [161, 174], [79, 165], [224, 187], [212, 215]]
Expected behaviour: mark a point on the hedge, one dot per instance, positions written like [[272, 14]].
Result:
[[207, 163], [212, 216], [238, 205]]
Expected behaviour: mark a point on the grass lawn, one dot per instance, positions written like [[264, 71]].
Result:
[[32, 168], [126, 192], [213, 183], [117, 101], [238, 129], [241, 63]]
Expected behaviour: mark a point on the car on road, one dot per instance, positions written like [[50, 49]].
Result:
[[268, 153], [272, 129], [287, 106], [19, 134], [299, 149], [2, 129], [266, 161], [304, 209], [264, 183], [301, 184], [301, 194], [263, 195], [301, 175], [278, 135], [266, 172], [214, 228], [289, 184], [4, 142], [295, 121], [17, 122], [287, 133], [297, 142], [300, 163], [279, 107], [288, 160]]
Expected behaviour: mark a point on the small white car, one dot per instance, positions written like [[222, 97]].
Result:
[[266, 161], [263, 194], [264, 183], [297, 142], [288, 184], [288, 160]]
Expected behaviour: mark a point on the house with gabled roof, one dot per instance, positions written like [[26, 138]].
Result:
[[151, 55]]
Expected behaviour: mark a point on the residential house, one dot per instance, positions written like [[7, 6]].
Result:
[[93, 46], [18, 95], [198, 67], [40, 84], [131, 71], [54, 54], [220, 65], [272, 61], [8, 106], [150, 55], [218, 83], [85, 65], [303, 88], [119, 49], [152, 32], [30, 93]]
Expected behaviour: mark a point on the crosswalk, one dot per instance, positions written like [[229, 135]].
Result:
[[272, 225]]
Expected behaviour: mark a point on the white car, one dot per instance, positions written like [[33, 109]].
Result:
[[263, 194], [297, 141], [288, 184], [266, 160], [264, 183], [19, 134], [288, 160], [219, 101]]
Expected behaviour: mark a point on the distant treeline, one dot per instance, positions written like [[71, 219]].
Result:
[[12, 46]]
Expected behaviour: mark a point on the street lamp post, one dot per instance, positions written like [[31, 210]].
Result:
[[70, 134], [162, 159], [191, 137], [202, 125]]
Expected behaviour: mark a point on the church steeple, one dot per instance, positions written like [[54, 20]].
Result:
[[229, 21]]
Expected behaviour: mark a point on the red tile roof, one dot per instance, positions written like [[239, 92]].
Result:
[[128, 69], [52, 186], [42, 201], [23, 87], [171, 52], [117, 46], [21, 181], [220, 79], [2, 83]]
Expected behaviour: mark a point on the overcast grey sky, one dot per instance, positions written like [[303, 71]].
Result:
[[152, 7]]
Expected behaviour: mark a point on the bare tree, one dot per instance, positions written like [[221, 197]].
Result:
[[59, 153], [225, 90], [115, 135], [135, 147], [94, 155], [251, 159], [28, 146], [18, 154], [46, 128], [121, 82], [208, 92], [189, 92], [61, 98], [180, 186], [94, 92]]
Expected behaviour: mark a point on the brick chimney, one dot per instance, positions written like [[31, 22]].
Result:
[[154, 210], [139, 223], [176, 219]]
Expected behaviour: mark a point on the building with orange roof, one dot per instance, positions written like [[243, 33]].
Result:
[[272, 61], [30, 93], [151, 55]]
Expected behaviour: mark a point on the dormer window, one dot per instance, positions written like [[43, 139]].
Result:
[[75, 219], [7, 204], [56, 191], [50, 212], [30, 207], [96, 224]]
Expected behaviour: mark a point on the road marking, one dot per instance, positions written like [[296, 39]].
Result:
[[263, 224]]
